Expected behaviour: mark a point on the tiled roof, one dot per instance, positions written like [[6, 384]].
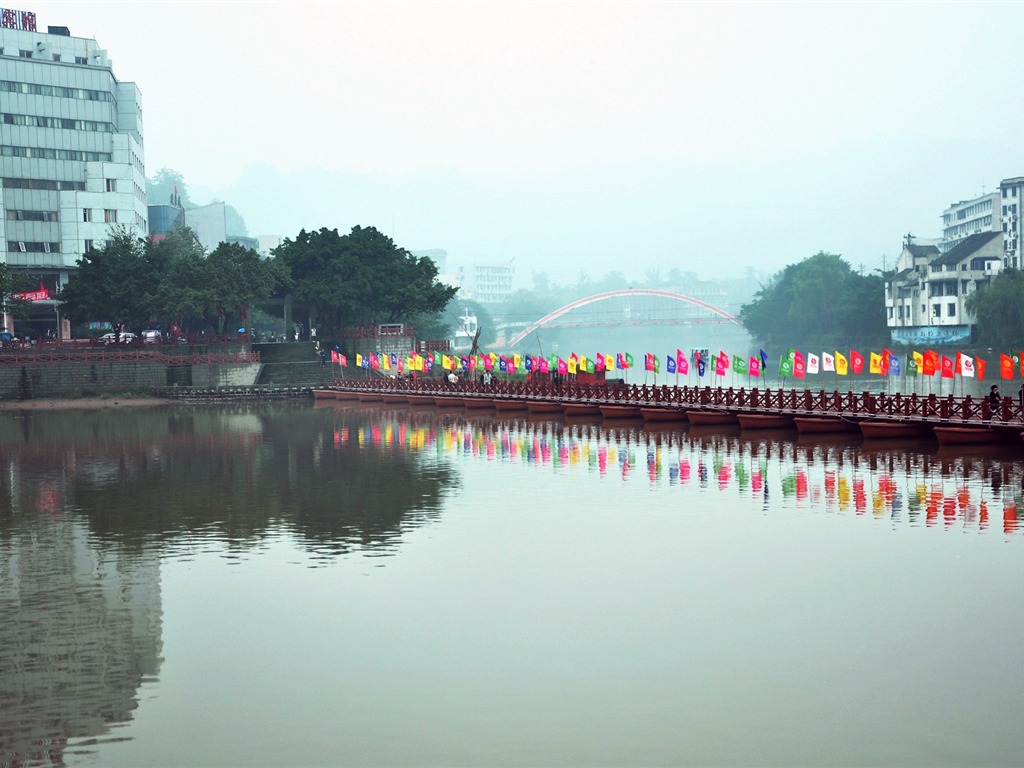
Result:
[[966, 247], [917, 251]]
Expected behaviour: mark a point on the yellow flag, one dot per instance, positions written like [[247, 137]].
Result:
[[841, 364], [919, 362], [517, 361], [609, 363], [385, 361], [571, 366], [875, 366], [359, 360], [583, 363]]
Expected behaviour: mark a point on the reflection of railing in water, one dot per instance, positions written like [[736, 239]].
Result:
[[932, 409], [897, 484]]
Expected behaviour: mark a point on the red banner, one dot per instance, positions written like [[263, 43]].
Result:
[[41, 295]]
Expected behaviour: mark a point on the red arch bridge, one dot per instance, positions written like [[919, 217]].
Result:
[[696, 312]]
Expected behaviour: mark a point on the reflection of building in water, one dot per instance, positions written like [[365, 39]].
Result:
[[81, 632]]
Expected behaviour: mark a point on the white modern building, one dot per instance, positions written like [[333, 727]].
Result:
[[1011, 195], [969, 217], [486, 283], [71, 153]]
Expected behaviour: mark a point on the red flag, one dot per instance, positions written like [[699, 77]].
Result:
[[931, 362], [680, 360], [799, 366], [886, 354], [563, 366], [959, 367], [1005, 366], [599, 362], [649, 362], [856, 361], [755, 366], [948, 366], [979, 366]]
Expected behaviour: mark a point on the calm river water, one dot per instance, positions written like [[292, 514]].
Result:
[[304, 585]]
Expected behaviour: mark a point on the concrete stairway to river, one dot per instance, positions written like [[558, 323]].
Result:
[[292, 364]]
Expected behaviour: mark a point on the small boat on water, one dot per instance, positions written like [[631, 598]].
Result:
[[663, 414], [448, 401], [581, 409], [509, 404], [765, 420], [824, 425], [478, 403], [420, 399], [879, 429], [544, 406], [323, 394], [346, 394], [370, 397], [711, 418], [621, 412], [967, 435]]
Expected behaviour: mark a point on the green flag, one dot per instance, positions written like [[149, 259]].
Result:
[[911, 366], [785, 366], [739, 364], [629, 360]]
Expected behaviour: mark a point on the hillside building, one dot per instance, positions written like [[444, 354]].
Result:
[[71, 157]]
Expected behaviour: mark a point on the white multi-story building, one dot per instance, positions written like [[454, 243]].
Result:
[[969, 217], [1011, 196], [71, 153], [925, 298], [486, 283]]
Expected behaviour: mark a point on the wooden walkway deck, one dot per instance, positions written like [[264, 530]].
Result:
[[958, 419]]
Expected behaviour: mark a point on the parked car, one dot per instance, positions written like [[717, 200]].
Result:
[[111, 338], [151, 337]]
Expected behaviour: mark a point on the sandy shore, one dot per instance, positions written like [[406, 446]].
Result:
[[86, 403]]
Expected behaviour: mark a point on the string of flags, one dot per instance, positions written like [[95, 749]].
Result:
[[793, 364]]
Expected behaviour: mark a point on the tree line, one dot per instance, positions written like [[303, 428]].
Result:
[[135, 283]]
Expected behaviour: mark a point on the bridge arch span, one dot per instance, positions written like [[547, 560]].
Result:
[[551, 316]]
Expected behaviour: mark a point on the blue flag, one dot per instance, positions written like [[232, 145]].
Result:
[[670, 363], [701, 367]]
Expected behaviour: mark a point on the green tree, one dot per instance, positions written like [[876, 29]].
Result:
[[237, 278], [179, 270], [113, 284], [999, 310], [361, 277], [13, 282], [820, 301]]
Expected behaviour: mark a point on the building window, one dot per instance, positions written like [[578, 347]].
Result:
[[56, 57], [111, 185], [87, 214], [25, 54], [81, 60], [88, 246], [951, 309], [936, 310], [110, 216]]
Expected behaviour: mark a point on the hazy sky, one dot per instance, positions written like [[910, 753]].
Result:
[[575, 136]]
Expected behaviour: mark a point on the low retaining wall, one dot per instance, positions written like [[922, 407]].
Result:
[[26, 381]]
